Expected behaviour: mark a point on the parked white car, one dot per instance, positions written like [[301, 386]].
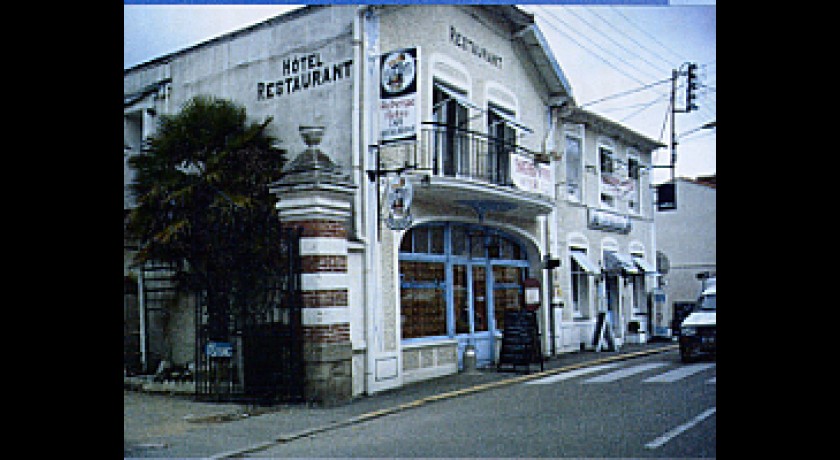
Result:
[[698, 332]]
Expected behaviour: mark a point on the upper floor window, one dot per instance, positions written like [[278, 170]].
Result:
[[501, 142], [450, 114], [606, 162], [633, 172], [574, 185]]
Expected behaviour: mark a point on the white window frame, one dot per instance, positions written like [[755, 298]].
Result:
[[576, 132], [633, 155], [610, 148]]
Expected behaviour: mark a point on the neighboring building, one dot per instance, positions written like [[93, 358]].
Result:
[[605, 232], [687, 237], [467, 107]]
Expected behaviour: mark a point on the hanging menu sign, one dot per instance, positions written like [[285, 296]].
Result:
[[398, 96]]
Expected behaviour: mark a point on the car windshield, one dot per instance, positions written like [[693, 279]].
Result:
[[708, 302]]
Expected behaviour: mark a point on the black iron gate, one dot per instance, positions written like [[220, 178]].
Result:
[[260, 358]]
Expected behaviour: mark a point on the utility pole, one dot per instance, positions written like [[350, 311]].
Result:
[[674, 74], [690, 97], [666, 192]]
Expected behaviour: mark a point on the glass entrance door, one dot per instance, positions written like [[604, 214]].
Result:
[[471, 303]]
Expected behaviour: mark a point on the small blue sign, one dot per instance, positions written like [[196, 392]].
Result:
[[219, 350], [658, 295]]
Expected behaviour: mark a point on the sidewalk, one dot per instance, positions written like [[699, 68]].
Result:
[[162, 426]]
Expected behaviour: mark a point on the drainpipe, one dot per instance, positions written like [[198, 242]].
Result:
[[368, 224], [355, 132], [549, 220]]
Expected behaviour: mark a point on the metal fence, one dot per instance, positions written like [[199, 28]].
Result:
[[260, 356]]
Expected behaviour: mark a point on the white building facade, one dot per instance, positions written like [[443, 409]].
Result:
[[468, 169]]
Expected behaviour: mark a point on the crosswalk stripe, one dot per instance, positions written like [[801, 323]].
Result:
[[679, 373], [622, 373], [658, 442], [571, 374]]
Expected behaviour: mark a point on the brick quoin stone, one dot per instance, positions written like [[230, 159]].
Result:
[[326, 263], [330, 333], [330, 298], [320, 228]]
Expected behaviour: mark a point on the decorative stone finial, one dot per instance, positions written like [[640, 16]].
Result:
[[311, 135]]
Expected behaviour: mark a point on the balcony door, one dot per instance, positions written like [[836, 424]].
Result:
[[500, 145], [449, 112]]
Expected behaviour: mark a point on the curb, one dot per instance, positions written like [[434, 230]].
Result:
[[438, 397]]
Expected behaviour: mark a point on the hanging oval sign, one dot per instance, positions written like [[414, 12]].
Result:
[[400, 193], [398, 71]]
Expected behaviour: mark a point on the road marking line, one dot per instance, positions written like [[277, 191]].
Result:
[[658, 442], [712, 381], [678, 373], [622, 373], [571, 374]]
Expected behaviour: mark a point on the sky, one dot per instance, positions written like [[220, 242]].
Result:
[[603, 50]]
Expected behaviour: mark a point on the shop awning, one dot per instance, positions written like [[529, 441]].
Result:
[[458, 98], [645, 266], [510, 120], [585, 263], [617, 262]]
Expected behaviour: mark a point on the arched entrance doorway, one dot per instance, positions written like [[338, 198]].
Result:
[[457, 280]]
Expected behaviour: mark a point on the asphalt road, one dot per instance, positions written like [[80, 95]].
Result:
[[653, 406]]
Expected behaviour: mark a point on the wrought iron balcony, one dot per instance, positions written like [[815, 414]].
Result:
[[449, 151]]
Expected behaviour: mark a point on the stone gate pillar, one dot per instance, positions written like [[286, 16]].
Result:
[[316, 196]]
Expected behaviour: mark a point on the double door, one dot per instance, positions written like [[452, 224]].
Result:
[[481, 292]]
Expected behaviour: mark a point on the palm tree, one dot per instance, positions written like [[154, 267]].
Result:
[[204, 205]]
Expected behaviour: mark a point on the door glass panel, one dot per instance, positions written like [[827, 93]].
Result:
[[459, 241], [460, 299], [507, 292], [478, 245], [480, 298], [436, 240]]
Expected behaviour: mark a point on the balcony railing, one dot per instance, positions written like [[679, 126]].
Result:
[[449, 151]]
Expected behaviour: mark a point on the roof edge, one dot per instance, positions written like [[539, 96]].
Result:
[[280, 18], [610, 127]]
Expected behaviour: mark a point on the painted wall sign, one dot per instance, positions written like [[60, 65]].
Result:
[[530, 176], [617, 185], [398, 96], [301, 73], [604, 220], [467, 44]]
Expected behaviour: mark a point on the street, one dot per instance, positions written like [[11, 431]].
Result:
[[653, 406]]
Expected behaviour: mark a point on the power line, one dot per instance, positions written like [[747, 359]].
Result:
[[620, 30], [665, 121], [628, 92], [655, 40], [629, 52], [561, 31], [633, 106], [697, 135], [647, 106]]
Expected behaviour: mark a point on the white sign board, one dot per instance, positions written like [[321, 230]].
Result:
[[531, 176], [398, 96]]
